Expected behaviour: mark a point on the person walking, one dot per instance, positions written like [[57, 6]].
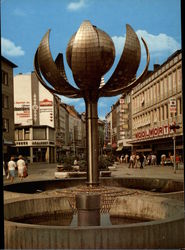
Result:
[[132, 161], [21, 165], [11, 169], [141, 158], [137, 161]]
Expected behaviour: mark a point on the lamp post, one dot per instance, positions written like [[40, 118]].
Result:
[[174, 127]]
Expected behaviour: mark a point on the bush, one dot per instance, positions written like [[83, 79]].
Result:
[[83, 165], [104, 162]]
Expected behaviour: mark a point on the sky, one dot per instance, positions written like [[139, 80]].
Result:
[[24, 23]]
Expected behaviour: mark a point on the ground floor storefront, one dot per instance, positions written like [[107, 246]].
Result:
[[45, 154], [159, 146]]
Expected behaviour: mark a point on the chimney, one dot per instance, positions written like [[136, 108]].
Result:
[[156, 66]]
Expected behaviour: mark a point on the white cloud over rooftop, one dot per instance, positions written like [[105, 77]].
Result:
[[10, 49]]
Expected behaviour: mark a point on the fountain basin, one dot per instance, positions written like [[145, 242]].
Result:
[[165, 231]]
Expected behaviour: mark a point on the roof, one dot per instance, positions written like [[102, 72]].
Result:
[[8, 62]]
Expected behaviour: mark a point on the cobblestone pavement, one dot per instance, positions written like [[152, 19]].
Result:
[[44, 171]]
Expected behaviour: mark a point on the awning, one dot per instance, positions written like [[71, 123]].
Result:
[[144, 150], [119, 148]]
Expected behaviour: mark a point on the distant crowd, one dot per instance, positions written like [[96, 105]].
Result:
[[139, 160]]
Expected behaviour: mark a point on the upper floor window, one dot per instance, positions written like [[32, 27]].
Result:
[[5, 101], [4, 78], [26, 134], [5, 125]]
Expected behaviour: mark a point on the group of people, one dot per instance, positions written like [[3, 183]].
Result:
[[20, 165], [137, 160]]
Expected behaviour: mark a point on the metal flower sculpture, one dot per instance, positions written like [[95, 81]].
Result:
[[90, 54]]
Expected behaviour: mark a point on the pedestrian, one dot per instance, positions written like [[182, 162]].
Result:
[[11, 169], [141, 158], [153, 159], [163, 158], [21, 165], [137, 161], [132, 161], [126, 158], [121, 159]]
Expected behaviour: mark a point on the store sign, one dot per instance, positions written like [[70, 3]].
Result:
[[173, 108], [153, 132]]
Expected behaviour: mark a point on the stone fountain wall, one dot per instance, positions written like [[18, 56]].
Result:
[[167, 231]]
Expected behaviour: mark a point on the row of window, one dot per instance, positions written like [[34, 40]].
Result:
[[157, 114], [162, 89]]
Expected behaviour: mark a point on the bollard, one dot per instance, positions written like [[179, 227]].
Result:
[[88, 207]]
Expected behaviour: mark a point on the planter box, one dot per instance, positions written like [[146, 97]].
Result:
[[105, 173], [77, 174], [112, 168], [61, 175]]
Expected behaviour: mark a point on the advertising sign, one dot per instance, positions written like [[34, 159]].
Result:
[[173, 108], [46, 107]]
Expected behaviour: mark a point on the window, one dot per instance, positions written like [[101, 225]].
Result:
[[166, 107], [179, 108], [39, 133], [5, 101], [20, 134], [179, 79], [4, 78], [162, 113], [26, 134], [170, 84], [162, 88], [5, 125], [174, 81], [165, 86]]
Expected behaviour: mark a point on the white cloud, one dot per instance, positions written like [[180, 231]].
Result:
[[157, 44], [10, 49], [73, 6]]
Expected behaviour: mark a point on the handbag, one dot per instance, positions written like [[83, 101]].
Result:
[[25, 173]]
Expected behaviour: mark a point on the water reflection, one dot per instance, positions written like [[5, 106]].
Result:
[[68, 219]]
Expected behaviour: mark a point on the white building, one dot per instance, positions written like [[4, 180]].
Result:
[[34, 119]]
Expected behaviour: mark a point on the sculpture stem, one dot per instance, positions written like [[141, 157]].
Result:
[[92, 143]]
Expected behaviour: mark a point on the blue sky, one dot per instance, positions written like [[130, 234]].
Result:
[[24, 22]]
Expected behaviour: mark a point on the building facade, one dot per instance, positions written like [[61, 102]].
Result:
[[157, 104], [34, 118], [118, 126], [7, 106]]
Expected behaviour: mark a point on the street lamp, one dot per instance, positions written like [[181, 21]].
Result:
[[174, 127]]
